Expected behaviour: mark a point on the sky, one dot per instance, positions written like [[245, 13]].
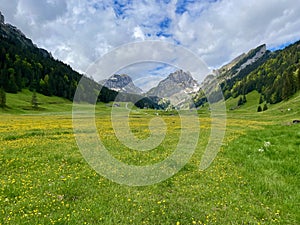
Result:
[[79, 32]]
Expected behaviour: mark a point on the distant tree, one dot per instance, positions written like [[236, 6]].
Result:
[[298, 76], [240, 101], [12, 86], [43, 88], [34, 101], [2, 98], [265, 107], [259, 109], [287, 86], [244, 99]]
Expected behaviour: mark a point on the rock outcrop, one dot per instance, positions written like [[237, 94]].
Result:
[[2, 20]]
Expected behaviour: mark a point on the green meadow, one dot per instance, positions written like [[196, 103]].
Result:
[[44, 179]]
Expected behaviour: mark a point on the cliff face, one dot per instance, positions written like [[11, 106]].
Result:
[[233, 68], [1, 18]]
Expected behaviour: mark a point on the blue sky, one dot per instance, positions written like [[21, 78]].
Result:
[[79, 32]]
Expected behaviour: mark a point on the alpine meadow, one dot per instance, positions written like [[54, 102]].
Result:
[[47, 177]]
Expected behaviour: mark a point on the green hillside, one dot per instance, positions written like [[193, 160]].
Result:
[[22, 103], [277, 79], [250, 105]]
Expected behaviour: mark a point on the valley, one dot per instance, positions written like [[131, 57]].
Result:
[[45, 177]]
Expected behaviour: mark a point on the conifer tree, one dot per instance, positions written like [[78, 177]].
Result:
[[34, 101], [244, 99], [240, 102], [2, 98], [259, 109]]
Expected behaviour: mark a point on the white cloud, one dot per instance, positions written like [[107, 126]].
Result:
[[78, 32], [138, 33]]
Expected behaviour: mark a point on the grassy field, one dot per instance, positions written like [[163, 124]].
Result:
[[45, 179]]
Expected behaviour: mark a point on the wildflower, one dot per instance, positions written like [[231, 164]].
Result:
[[267, 144], [261, 150]]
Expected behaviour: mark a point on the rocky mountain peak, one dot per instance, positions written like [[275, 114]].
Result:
[[176, 87], [174, 83], [120, 79], [180, 76], [121, 83]]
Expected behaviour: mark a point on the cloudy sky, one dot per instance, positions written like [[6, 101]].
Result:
[[79, 32]]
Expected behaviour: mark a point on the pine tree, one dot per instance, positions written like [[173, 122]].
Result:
[[240, 101], [12, 86], [34, 101], [259, 109], [2, 98], [287, 86], [244, 99]]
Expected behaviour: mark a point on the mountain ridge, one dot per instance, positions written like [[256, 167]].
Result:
[[275, 75]]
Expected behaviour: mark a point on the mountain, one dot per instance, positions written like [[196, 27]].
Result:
[[230, 74], [240, 67], [25, 66], [121, 83], [176, 82], [12, 33], [275, 75], [177, 87], [277, 79]]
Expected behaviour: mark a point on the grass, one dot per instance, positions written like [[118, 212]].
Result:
[[45, 180], [21, 104]]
